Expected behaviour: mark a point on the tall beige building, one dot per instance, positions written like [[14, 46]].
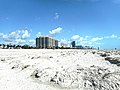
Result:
[[46, 42]]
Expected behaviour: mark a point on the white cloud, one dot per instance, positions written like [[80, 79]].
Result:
[[56, 16], [99, 43], [89, 40], [1, 35], [112, 36], [38, 34], [32, 42], [18, 31], [81, 38], [87, 43], [86, 37], [20, 41], [26, 34], [75, 36], [84, 42], [96, 39], [63, 40], [55, 31], [15, 37], [12, 34]]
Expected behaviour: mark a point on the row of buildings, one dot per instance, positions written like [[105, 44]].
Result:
[[74, 46], [49, 42], [45, 42]]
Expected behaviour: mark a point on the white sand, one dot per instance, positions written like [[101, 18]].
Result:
[[44, 69]]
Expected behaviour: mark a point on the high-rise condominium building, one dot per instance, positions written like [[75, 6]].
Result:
[[46, 42], [73, 44]]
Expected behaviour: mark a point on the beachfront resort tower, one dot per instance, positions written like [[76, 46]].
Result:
[[46, 42]]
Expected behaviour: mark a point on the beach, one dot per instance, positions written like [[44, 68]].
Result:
[[59, 69]]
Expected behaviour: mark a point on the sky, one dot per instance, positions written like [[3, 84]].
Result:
[[88, 22]]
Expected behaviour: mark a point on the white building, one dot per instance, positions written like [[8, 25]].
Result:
[[46, 42]]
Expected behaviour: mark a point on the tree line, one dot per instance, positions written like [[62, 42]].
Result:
[[9, 46]]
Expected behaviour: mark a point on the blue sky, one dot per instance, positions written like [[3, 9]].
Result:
[[89, 22]]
